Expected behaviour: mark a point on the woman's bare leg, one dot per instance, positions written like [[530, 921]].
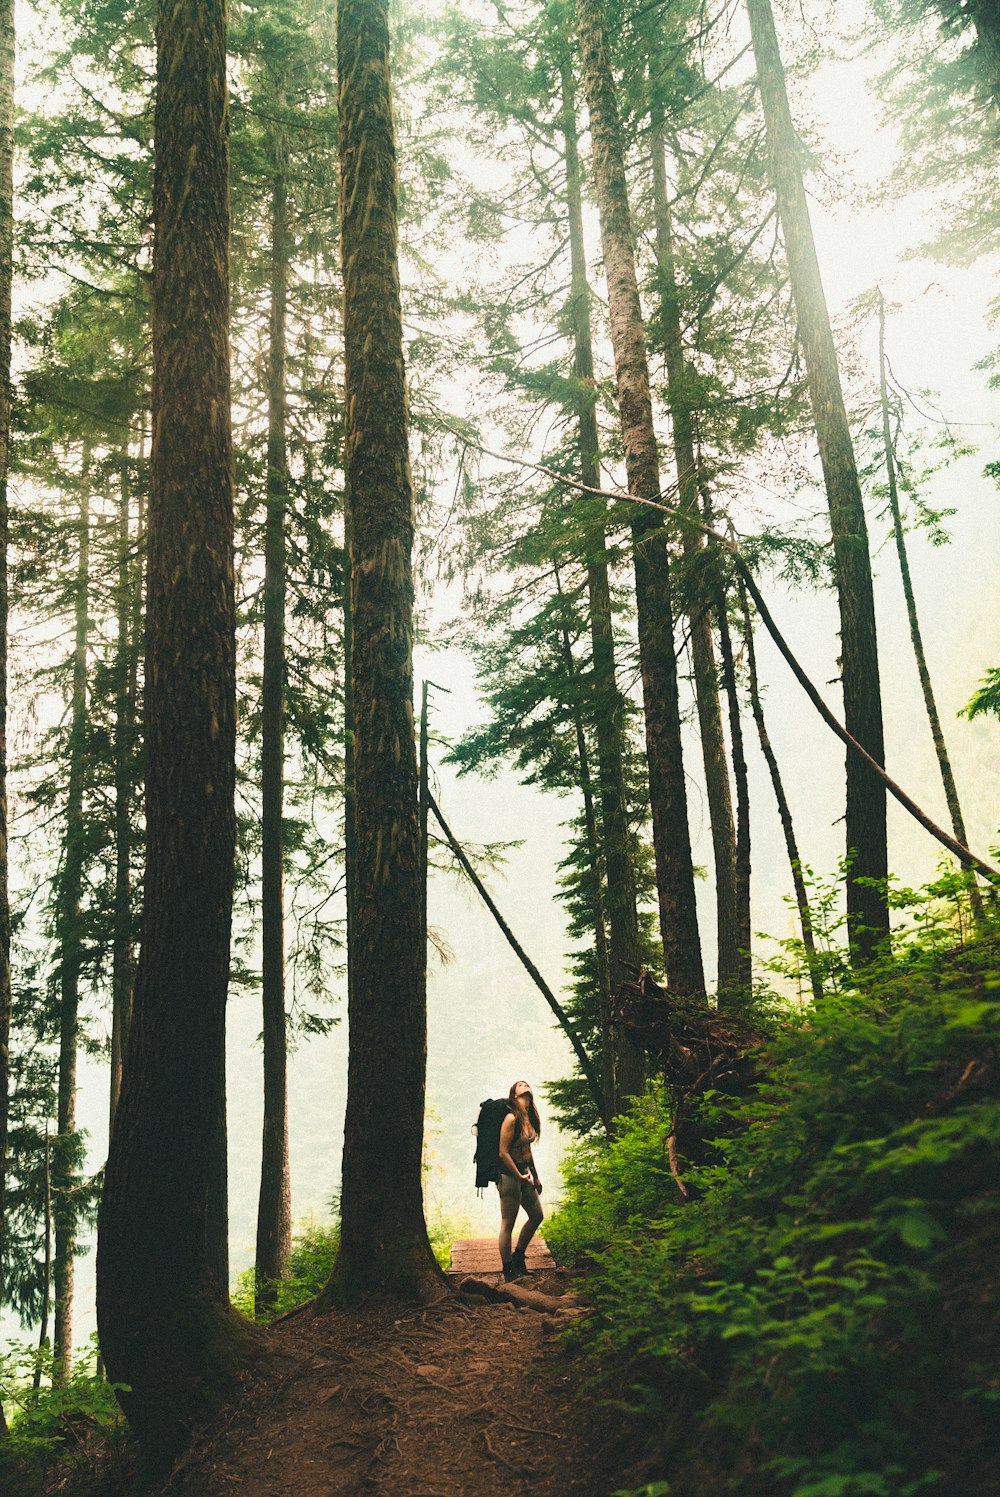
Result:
[[508, 1215], [533, 1207]]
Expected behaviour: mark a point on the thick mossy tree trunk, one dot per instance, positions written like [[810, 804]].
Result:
[[706, 674], [274, 1209], [658, 665], [166, 1327], [6, 274], [913, 618], [383, 1244], [622, 1063], [867, 909], [69, 936]]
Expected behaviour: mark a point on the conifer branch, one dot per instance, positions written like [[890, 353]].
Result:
[[964, 854]]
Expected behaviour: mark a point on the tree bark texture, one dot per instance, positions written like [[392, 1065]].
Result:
[[274, 1210], [667, 789], [126, 670], [165, 1323], [70, 944], [916, 637], [6, 276], [866, 803], [383, 1246], [623, 1066], [706, 675]]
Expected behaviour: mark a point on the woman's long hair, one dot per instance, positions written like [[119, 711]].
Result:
[[515, 1108]]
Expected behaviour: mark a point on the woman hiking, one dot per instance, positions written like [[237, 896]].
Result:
[[518, 1184]]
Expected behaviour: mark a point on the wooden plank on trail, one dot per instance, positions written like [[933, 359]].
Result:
[[479, 1255]]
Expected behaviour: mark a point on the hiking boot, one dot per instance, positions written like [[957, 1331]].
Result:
[[518, 1268], [510, 1272]]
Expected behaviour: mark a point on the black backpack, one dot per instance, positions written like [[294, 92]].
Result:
[[487, 1132]]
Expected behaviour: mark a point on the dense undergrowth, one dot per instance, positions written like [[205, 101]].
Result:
[[70, 1437], [74, 1425], [821, 1317]]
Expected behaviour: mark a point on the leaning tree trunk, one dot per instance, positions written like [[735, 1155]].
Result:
[[167, 1330], [658, 665], [6, 275], [784, 810], [70, 942], [623, 1068], [867, 909], [274, 1210], [916, 637], [383, 1244], [706, 675]]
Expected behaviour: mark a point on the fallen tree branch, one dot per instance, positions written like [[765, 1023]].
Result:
[[563, 1018], [514, 1294]]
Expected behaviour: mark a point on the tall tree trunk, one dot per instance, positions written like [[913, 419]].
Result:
[[43, 1326], [274, 1211], [126, 670], [383, 1245], [624, 949], [601, 952], [6, 275], [658, 665], [706, 675], [867, 910], [70, 944], [167, 1330], [916, 638], [784, 810], [744, 969], [350, 791]]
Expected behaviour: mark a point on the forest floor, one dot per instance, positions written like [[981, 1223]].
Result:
[[460, 1399]]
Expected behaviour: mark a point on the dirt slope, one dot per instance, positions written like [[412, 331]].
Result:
[[464, 1399]]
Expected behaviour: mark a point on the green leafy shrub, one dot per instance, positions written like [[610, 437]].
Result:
[[75, 1424], [820, 1320], [443, 1227], [314, 1249]]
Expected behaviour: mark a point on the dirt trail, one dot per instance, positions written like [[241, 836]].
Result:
[[462, 1399]]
